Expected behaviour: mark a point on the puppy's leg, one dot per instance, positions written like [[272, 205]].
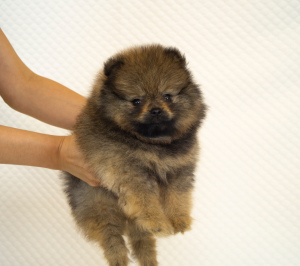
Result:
[[140, 201], [102, 221], [113, 244], [177, 207], [176, 199], [143, 245]]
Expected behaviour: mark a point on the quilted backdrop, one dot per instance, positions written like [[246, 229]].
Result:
[[245, 55]]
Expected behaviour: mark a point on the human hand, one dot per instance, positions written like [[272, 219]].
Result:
[[72, 161]]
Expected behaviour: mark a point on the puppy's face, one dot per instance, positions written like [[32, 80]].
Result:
[[148, 92]]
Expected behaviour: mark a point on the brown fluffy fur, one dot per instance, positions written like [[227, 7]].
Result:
[[138, 130]]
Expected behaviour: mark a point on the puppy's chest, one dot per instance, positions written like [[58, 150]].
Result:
[[160, 165], [161, 168]]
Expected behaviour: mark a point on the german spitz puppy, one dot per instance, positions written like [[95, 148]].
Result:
[[139, 131]]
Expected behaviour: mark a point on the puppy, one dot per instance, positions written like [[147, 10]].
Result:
[[139, 131]]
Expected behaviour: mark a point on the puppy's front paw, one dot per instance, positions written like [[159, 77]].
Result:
[[181, 223], [156, 224]]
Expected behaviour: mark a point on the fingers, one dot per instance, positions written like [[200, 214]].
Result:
[[89, 179], [94, 183], [72, 161]]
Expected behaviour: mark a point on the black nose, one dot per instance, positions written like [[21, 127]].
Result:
[[155, 111]]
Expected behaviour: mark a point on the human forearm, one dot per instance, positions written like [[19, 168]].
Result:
[[34, 95], [22, 147], [49, 101]]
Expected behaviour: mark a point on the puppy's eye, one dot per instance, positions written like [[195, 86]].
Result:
[[136, 102], [167, 97]]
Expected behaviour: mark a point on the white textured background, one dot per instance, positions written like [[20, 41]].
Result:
[[245, 55]]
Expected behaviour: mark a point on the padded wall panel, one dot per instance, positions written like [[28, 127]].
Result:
[[245, 55]]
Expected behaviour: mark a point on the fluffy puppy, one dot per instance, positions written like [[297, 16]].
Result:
[[138, 130]]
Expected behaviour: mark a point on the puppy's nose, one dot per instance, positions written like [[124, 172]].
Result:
[[155, 111]]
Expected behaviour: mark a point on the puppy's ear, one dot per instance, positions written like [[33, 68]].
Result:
[[112, 65], [175, 54]]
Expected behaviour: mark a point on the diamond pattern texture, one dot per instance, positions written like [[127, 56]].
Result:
[[245, 55]]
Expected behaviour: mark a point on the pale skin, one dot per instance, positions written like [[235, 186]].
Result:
[[47, 101]]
